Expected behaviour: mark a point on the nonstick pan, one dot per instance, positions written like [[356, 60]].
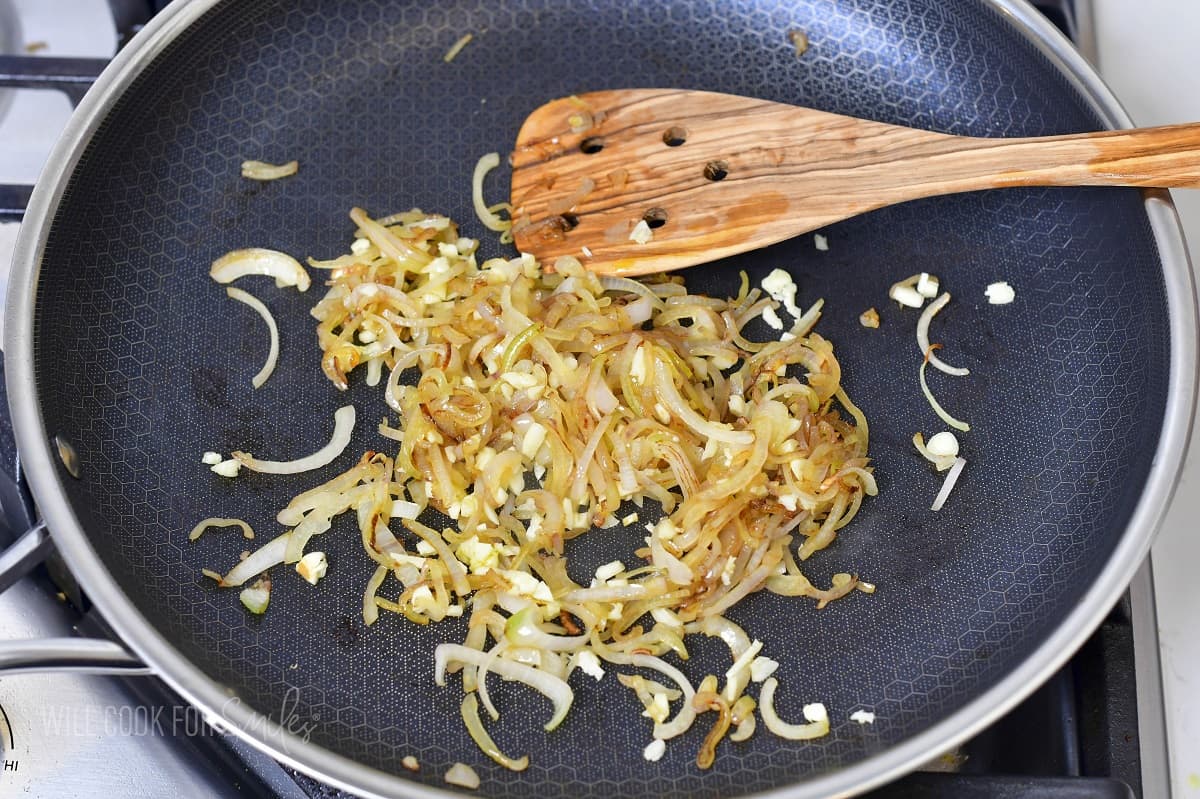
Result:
[[119, 344]]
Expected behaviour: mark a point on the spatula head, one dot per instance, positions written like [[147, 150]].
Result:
[[700, 169]]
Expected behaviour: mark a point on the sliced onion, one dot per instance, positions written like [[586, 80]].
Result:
[[261, 170], [491, 220], [742, 716], [340, 262], [481, 678], [386, 543], [518, 343], [677, 571], [272, 353], [640, 311], [343, 427], [266, 556], [611, 283], [463, 776], [217, 521], [554, 689], [286, 270], [370, 609], [403, 509], [470, 714], [933, 403], [647, 689], [600, 399], [458, 575], [733, 635], [457, 47], [583, 462], [605, 593], [406, 361], [805, 323], [388, 243], [664, 387], [687, 714], [374, 371], [464, 434], [793, 732], [948, 483], [522, 630], [923, 337]]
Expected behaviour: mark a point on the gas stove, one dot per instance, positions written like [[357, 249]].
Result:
[[1095, 729]]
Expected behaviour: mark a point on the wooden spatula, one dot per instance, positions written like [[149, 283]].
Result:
[[712, 174]]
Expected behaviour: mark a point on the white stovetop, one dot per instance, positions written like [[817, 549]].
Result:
[[1147, 53]]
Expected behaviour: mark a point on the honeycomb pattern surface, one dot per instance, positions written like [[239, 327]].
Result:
[[144, 364]]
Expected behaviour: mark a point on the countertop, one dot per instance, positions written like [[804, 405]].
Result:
[[1146, 52]]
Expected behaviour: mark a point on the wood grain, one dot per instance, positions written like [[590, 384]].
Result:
[[788, 170]]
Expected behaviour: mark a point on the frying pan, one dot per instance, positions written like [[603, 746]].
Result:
[[118, 343]]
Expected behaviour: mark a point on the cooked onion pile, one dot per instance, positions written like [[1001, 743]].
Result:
[[535, 407]]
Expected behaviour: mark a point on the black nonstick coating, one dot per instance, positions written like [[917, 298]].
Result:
[[143, 363]]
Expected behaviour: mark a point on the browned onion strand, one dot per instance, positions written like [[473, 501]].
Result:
[[533, 407]]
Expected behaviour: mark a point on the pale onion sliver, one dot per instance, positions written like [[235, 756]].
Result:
[[677, 571], [605, 593], [793, 732], [470, 714], [938, 409], [343, 427], [613, 283], [733, 635], [457, 47], [286, 270], [923, 337], [268, 555], [808, 319], [553, 688], [491, 220], [664, 387], [261, 170], [370, 609], [948, 483], [273, 353], [217, 521]]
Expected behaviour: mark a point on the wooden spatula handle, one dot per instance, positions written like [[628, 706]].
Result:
[[1165, 157]]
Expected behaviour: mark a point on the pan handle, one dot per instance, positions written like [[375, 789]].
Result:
[[22, 656], [80, 655]]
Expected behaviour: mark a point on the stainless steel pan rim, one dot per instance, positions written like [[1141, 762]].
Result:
[[199, 689]]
